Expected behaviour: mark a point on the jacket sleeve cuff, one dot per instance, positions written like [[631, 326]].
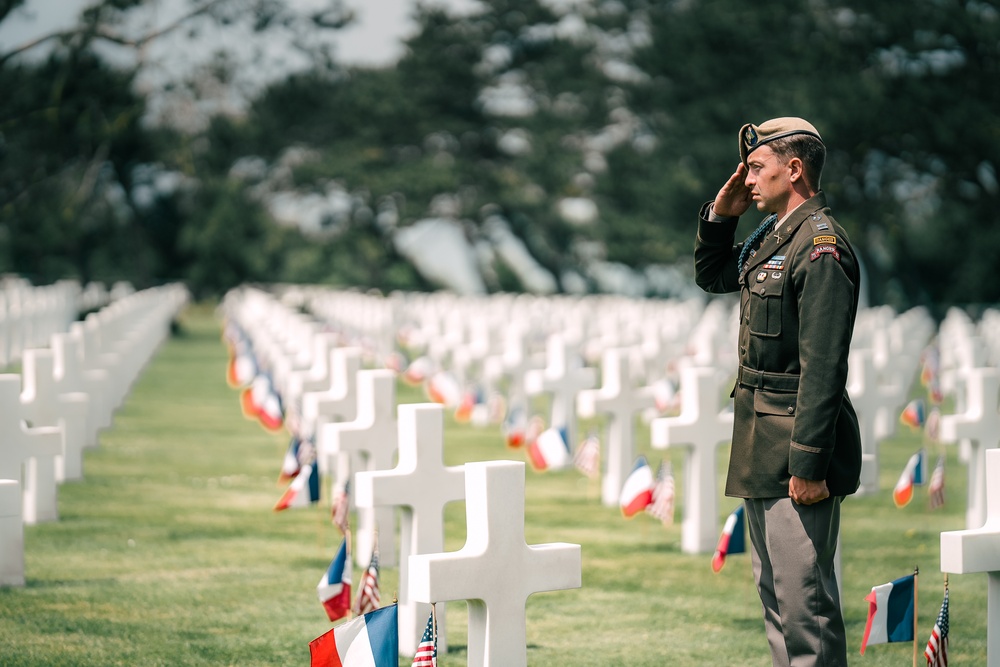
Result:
[[808, 462], [716, 229]]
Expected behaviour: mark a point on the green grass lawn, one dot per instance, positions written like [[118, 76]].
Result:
[[168, 551]]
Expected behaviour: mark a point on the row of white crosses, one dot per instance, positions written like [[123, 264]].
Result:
[[64, 396], [885, 356], [29, 315], [346, 412], [420, 485], [973, 378]]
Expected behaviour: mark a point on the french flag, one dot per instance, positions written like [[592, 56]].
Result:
[[637, 491], [242, 367], [303, 491], [514, 426], [732, 540], [443, 388], [290, 465], [372, 640], [914, 414], [890, 612], [912, 474], [334, 589], [549, 450], [261, 402]]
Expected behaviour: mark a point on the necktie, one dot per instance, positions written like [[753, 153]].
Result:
[[763, 229]]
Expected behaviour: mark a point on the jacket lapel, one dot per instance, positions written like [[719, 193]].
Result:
[[774, 241]]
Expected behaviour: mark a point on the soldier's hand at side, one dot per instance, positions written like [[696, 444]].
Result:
[[807, 491], [735, 197]]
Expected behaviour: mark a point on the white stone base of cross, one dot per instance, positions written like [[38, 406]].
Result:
[[978, 550], [496, 570]]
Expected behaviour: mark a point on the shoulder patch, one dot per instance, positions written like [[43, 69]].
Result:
[[824, 240], [824, 250]]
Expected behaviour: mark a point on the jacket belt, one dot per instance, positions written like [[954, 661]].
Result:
[[783, 382]]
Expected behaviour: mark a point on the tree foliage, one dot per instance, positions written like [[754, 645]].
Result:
[[634, 104]]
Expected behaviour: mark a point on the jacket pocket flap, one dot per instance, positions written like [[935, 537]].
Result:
[[774, 403]]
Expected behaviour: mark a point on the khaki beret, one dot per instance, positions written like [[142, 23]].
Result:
[[753, 136]]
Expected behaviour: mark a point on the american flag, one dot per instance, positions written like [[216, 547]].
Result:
[[588, 456], [662, 506], [341, 503], [936, 487], [937, 646], [427, 649], [369, 598]]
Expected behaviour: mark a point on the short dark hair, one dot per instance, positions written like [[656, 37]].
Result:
[[807, 148]]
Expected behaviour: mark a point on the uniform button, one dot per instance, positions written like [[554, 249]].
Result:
[[761, 290], [791, 409]]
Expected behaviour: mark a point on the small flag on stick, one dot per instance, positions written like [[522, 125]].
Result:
[[937, 646], [732, 540], [935, 489], [662, 506], [588, 456], [334, 588], [637, 491], [369, 597], [427, 651], [912, 474], [303, 491], [372, 639], [891, 609]]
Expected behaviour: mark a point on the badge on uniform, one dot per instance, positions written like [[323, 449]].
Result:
[[776, 263], [776, 275], [824, 250], [824, 240], [761, 276]]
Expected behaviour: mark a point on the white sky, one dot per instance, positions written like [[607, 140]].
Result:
[[374, 39]]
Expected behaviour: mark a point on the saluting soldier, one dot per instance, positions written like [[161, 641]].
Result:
[[796, 448]]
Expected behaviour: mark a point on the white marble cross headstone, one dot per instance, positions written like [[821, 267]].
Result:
[[43, 405], [337, 403], [19, 446], [978, 550], [67, 369], [11, 534], [420, 485], [701, 427], [621, 402], [878, 406], [496, 570], [369, 441], [980, 425], [564, 377]]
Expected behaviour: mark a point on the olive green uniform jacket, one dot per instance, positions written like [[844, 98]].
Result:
[[798, 304]]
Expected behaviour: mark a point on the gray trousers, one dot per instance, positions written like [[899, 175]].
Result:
[[793, 550]]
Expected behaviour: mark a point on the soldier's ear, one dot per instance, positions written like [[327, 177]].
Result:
[[796, 170]]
